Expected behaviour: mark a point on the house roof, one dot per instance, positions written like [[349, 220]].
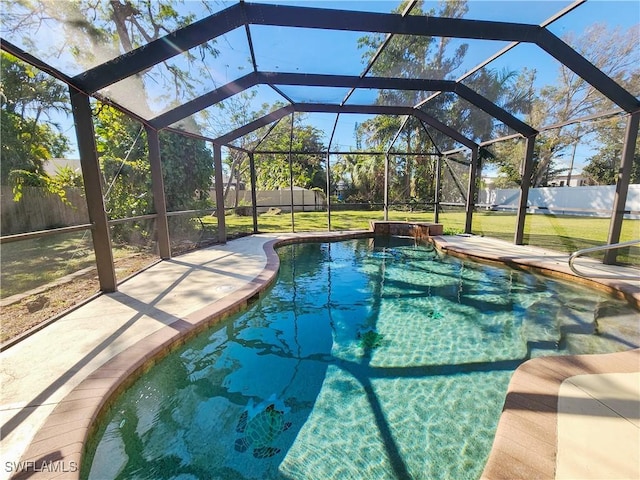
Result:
[[52, 165]]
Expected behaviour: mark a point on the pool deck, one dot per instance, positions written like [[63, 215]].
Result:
[[55, 381]]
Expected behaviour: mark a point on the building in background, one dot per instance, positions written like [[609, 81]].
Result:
[[578, 180]]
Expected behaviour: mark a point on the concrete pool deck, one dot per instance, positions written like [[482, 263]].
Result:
[[55, 381]]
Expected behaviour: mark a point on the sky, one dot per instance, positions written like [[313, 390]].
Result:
[[315, 51]]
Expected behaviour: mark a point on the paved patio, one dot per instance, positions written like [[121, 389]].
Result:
[[54, 380], [39, 372]]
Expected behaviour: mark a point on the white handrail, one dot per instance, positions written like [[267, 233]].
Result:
[[601, 248]]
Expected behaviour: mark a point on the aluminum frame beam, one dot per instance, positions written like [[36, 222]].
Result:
[[331, 108], [472, 189], [512, 45], [217, 173], [410, 5], [200, 103], [254, 197], [293, 216], [316, 80], [587, 71], [386, 110], [527, 170], [18, 52], [345, 20], [100, 233], [438, 187], [386, 187], [157, 51], [236, 16], [494, 110], [159, 200], [242, 14], [622, 186], [326, 80], [254, 125]]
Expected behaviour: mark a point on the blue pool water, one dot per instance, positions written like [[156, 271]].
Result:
[[364, 361]]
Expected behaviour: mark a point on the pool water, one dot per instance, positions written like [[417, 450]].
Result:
[[368, 359]]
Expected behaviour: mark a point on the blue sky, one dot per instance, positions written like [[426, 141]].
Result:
[[288, 49], [316, 51]]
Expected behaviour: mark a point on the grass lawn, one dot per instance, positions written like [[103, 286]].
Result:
[[31, 263], [561, 233]]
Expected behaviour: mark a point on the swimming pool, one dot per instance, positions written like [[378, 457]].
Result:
[[364, 361]]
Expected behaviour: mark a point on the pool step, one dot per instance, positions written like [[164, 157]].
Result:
[[611, 324], [540, 323]]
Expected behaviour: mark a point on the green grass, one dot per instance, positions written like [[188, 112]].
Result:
[[31, 263], [560, 233]]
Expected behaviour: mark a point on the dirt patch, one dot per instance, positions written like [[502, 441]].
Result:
[[17, 318]]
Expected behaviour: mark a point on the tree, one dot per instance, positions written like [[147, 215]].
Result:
[[369, 178], [431, 57], [510, 90], [96, 32], [307, 168], [121, 146], [416, 56], [187, 168], [611, 50], [508, 156], [272, 170], [411, 57], [235, 112], [99, 31], [408, 57], [29, 136], [603, 166]]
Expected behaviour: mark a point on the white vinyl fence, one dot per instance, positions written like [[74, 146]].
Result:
[[596, 201], [303, 200]]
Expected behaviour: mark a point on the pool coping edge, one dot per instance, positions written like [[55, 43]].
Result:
[[618, 289], [58, 446], [525, 444], [63, 437]]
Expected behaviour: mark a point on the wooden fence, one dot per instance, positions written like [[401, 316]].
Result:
[[39, 210]]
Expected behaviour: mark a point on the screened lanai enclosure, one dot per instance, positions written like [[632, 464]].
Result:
[[198, 121]]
